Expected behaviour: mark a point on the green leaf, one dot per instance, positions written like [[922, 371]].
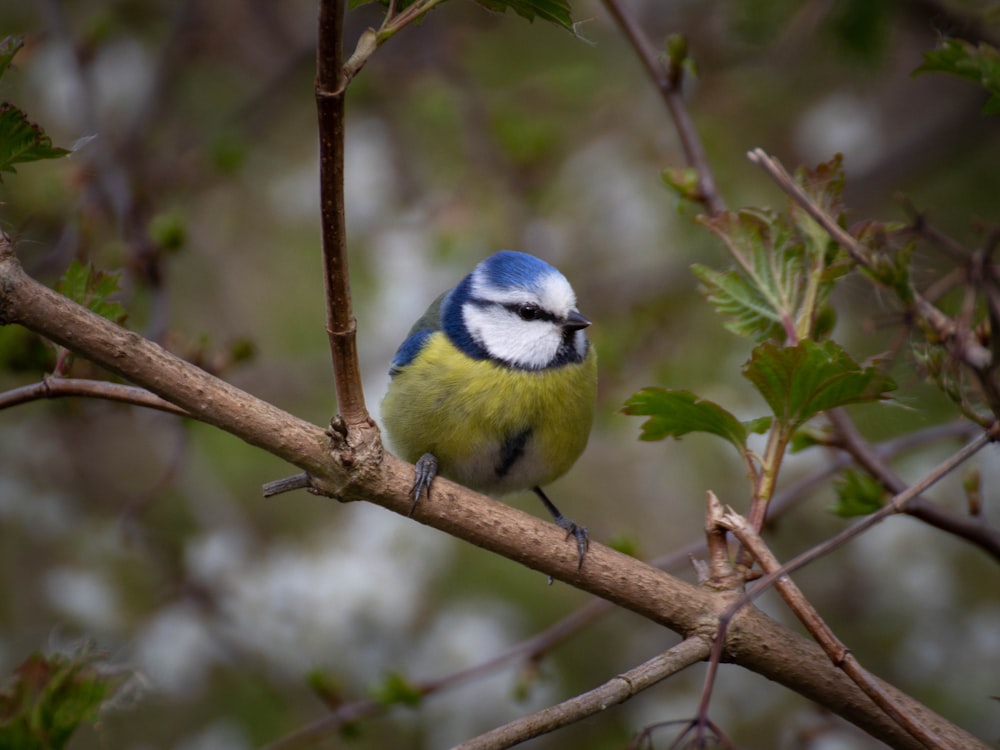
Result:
[[396, 689], [761, 296], [759, 426], [824, 184], [48, 698], [554, 11], [8, 48], [92, 288], [325, 687], [749, 312], [676, 413], [980, 64], [168, 231], [808, 437], [858, 494], [683, 181], [786, 264], [22, 141], [800, 381]]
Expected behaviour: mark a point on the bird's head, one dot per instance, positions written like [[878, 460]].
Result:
[[516, 309]]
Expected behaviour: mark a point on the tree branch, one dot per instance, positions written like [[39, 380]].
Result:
[[360, 471], [616, 690], [971, 529], [668, 81], [55, 387], [201, 395], [531, 649], [839, 654], [960, 343], [341, 327]]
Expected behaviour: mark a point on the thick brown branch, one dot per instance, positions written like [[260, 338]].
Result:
[[361, 472], [204, 397], [839, 654]]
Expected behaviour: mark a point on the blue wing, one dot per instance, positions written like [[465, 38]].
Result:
[[423, 329], [409, 349]]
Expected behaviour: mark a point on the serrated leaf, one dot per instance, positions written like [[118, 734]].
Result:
[[8, 48], [554, 11], [748, 313], [798, 382], [762, 295], [674, 413], [92, 288], [858, 494], [785, 264], [22, 141], [824, 184], [979, 63]]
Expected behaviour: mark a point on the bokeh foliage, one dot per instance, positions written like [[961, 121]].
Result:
[[194, 177]]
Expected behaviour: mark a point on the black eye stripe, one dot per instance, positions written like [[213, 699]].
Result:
[[536, 313]]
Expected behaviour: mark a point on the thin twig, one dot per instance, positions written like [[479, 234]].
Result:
[[971, 529], [839, 654], [616, 690], [55, 387], [668, 83], [961, 343], [341, 327], [529, 650], [895, 505]]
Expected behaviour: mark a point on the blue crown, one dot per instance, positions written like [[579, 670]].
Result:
[[509, 268]]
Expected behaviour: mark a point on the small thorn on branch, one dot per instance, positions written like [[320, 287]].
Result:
[[287, 484]]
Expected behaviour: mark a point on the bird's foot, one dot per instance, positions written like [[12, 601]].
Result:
[[580, 532], [427, 469], [572, 527]]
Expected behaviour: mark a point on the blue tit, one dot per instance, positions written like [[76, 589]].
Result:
[[494, 387]]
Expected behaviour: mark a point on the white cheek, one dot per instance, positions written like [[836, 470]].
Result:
[[529, 344]]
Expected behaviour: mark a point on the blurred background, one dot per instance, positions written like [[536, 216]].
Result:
[[195, 174]]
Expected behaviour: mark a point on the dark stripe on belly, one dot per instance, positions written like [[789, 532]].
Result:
[[511, 451]]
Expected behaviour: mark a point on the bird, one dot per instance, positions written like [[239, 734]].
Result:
[[495, 386]]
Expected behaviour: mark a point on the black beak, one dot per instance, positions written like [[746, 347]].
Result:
[[575, 321]]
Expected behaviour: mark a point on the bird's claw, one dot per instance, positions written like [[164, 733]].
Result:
[[582, 537], [427, 468]]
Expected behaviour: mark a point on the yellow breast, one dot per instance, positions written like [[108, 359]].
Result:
[[492, 428]]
